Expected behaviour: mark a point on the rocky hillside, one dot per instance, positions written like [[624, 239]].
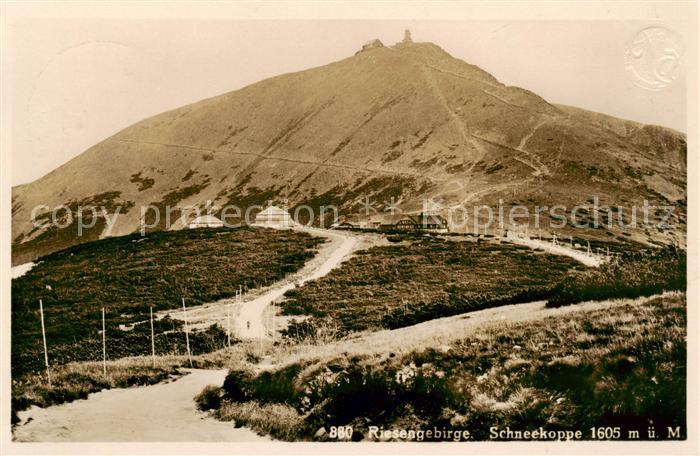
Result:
[[407, 121]]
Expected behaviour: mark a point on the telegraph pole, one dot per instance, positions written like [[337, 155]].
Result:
[[274, 315]]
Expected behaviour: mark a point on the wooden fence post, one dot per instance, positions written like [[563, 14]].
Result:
[[187, 332], [228, 324], [153, 341], [43, 336]]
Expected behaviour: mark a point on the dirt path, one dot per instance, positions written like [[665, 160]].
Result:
[[251, 308], [250, 321], [457, 122], [542, 168], [261, 156], [164, 412], [592, 261]]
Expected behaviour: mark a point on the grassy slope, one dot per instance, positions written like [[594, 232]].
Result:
[[400, 285], [128, 274], [620, 364]]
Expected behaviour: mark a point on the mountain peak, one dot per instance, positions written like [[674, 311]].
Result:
[[407, 121]]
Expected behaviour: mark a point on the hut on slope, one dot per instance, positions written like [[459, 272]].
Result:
[[274, 217], [206, 221]]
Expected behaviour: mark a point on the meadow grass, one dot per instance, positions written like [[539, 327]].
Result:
[[280, 421], [129, 274], [621, 363], [421, 279]]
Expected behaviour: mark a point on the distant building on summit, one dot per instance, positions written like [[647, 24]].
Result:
[[407, 36], [206, 221], [274, 217], [372, 44]]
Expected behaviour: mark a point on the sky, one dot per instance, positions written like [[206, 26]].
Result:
[[74, 82]]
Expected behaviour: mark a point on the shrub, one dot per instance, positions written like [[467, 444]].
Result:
[[209, 398], [237, 385], [639, 274], [299, 330], [357, 391]]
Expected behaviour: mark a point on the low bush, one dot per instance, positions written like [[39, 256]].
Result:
[[209, 398], [268, 386], [237, 385], [637, 274]]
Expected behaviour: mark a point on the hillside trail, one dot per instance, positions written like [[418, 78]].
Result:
[[165, 412], [18, 271], [250, 323], [592, 261], [542, 169], [456, 121], [326, 163], [247, 316]]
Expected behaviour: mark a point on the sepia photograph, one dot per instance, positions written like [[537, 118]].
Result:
[[344, 227]]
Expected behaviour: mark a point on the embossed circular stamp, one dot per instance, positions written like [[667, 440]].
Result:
[[654, 57]]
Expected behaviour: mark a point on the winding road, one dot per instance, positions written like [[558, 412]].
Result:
[[247, 316], [159, 413], [250, 321]]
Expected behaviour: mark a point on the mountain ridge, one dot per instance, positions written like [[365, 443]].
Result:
[[407, 121]]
